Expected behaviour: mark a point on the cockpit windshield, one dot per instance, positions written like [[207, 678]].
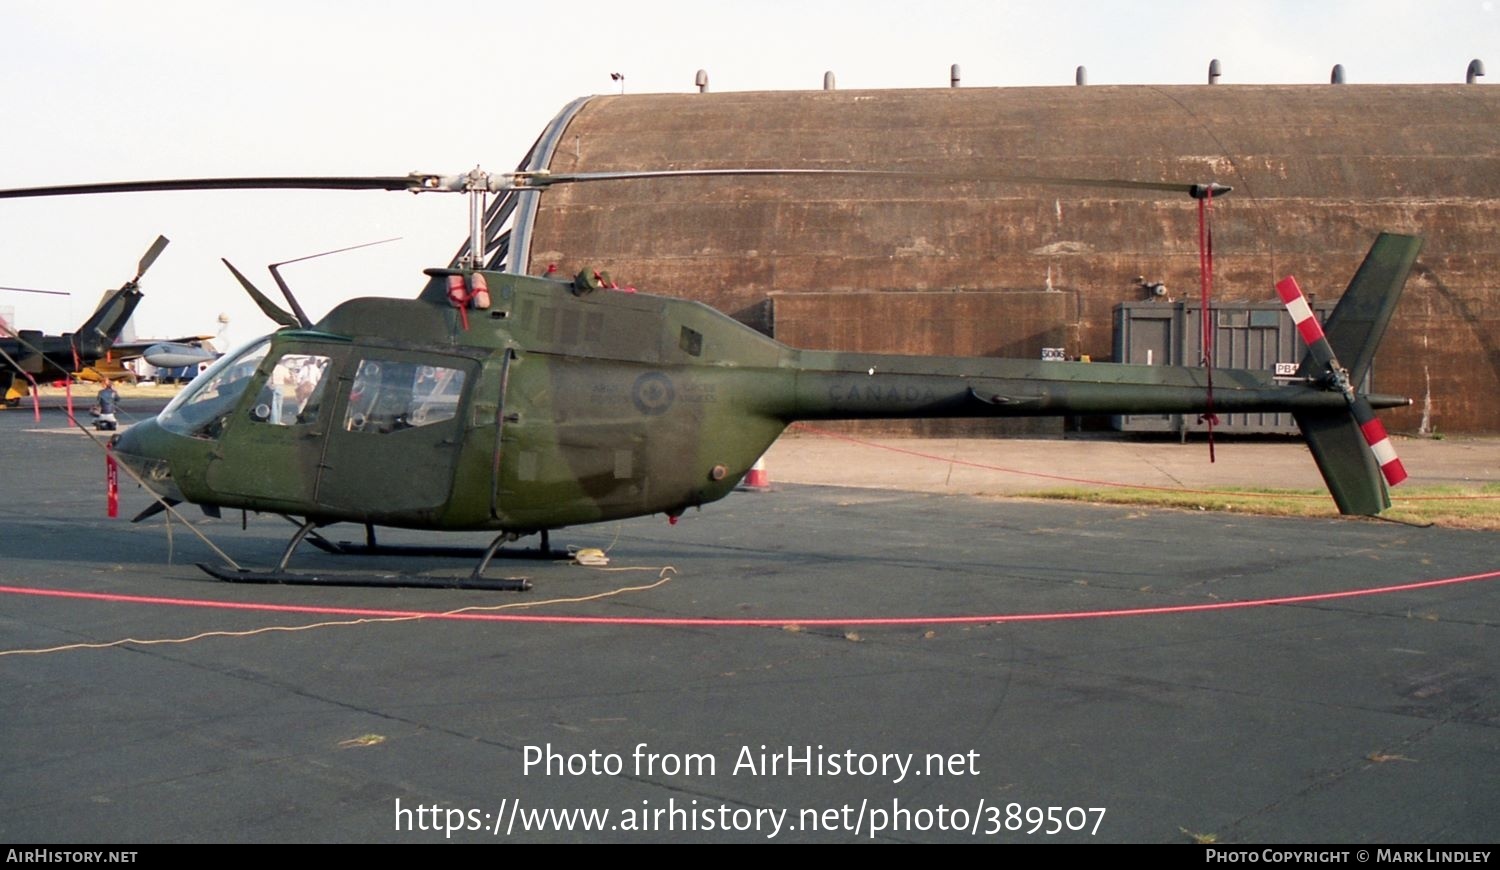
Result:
[[201, 409]]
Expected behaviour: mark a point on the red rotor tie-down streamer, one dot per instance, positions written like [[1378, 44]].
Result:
[[111, 481], [36, 398], [68, 385], [1206, 280]]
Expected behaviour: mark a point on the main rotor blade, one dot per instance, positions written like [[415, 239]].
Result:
[[417, 182], [27, 290], [156, 248], [543, 178], [395, 182]]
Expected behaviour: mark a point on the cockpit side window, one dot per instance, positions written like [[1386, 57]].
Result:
[[293, 393]]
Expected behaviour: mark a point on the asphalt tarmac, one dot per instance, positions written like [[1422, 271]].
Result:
[[1127, 676]]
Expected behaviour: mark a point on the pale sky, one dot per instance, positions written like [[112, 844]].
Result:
[[96, 91]]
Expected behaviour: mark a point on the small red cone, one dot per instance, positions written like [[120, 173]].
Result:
[[758, 479]]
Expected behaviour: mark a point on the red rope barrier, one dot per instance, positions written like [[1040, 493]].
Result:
[[733, 622]]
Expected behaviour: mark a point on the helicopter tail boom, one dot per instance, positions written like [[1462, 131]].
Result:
[[1346, 439], [873, 386]]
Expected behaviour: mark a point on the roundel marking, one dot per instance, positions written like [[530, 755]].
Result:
[[653, 393]]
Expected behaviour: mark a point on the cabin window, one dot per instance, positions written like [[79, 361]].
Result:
[[388, 396]]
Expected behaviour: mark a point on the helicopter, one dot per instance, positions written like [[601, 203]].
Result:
[[25, 354], [519, 405]]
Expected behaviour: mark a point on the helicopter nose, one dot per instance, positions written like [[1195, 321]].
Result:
[[141, 448]]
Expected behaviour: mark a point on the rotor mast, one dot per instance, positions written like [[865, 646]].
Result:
[[477, 185]]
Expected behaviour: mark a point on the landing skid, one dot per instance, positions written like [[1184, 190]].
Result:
[[305, 530], [393, 581]]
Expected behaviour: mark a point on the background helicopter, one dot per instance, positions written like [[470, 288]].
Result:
[[28, 354], [517, 404], [99, 348]]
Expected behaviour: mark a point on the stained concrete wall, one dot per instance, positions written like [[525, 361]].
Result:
[[1317, 172]]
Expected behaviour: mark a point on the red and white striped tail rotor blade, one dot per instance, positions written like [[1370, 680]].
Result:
[[1307, 323], [1380, 443]]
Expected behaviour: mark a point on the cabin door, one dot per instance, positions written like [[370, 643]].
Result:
[[394, 441], [271, 443]]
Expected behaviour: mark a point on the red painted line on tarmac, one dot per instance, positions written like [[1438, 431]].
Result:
[[727, 622]]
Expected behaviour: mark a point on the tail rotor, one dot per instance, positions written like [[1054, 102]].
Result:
[[1353, 450], [1323, 365]]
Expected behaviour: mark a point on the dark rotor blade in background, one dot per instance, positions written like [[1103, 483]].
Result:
[[155, 251], [27, 290]]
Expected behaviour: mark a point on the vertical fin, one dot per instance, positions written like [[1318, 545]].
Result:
[[1345, 460], [99, 332], [1356, 326]]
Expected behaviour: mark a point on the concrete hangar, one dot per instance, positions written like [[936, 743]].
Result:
[[978, 268]]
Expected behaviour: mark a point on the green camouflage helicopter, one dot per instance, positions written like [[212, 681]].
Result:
[[519, 404]]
